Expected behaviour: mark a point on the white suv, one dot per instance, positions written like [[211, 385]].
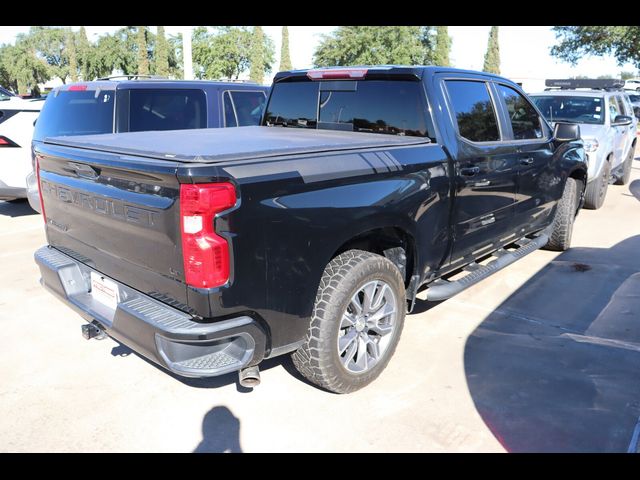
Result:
[[607, 125], [16, 129]]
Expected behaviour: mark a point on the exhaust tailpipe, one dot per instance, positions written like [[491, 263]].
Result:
[[249, 377]]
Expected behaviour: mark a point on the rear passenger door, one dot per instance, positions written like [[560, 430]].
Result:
[[485, 169], [537, 184]]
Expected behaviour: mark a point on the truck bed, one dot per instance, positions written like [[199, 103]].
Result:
[[212, 145]]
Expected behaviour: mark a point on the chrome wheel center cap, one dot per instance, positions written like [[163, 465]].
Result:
[[360, 324]]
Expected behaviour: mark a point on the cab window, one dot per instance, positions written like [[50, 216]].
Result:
[[525, 121]]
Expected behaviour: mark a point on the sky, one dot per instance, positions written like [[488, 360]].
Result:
[[524, 51]]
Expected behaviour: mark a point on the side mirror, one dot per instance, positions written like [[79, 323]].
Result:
[[622, 121], [566, 132]]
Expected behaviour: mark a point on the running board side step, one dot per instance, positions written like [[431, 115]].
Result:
[[443, 289]]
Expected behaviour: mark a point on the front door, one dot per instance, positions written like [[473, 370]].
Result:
[[485, 170], [538, 184]]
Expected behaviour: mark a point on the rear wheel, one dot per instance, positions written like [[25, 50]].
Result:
[[597, 190], [356, 323], [562, 227]]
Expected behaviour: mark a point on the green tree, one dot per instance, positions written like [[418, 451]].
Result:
[[256, 58], [121, 51], [161, 54], [226, 52], [143, 59], [285, 59], [623, 42], [442, 47], [86, 54], [22, 68], [492, 57], [175, 56], [72, 55], [50, 43], [221, 54], [360, 45]]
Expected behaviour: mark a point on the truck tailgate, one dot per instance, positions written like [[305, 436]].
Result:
[[118, 215]]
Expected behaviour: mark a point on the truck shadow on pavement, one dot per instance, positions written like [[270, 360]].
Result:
[[16, 209], [634, 188], [220, 432], [555, 367], [284, 361]]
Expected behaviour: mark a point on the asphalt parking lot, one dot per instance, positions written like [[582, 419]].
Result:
[[543, 356]]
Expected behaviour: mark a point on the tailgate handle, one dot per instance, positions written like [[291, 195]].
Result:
[[84, 171]]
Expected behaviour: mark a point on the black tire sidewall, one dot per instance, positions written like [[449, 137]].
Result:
[[363, 273]]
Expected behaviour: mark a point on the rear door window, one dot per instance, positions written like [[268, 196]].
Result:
[[75, 112], [167, 109], [474, 110], [242, 108], [525, 121]]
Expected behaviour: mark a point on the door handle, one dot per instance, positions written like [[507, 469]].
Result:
[[470, 171], [526, 161]]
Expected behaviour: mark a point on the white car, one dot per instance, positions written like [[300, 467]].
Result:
[[632, 84], [17, 117]]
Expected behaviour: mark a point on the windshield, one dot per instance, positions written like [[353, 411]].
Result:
[[556, 108], [76, 113], [5, 94], [387, 107]]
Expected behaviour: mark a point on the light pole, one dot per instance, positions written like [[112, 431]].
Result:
[[186, 53]]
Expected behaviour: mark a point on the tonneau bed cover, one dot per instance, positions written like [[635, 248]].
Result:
[[213, 145]]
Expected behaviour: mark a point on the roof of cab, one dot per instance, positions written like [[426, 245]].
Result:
[[416, 70], [109, 84]]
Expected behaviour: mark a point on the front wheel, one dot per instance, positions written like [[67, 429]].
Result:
[[597, 190], [562, 227], [625, 175], [356, 322]]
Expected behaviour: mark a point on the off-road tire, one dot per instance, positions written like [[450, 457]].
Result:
[[318, 358], [562, 226], [625, 176], [597, 190]]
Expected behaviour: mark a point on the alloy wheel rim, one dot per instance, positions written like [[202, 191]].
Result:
[[367, 326]]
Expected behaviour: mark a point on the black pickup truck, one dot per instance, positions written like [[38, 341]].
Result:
[[210, 250]]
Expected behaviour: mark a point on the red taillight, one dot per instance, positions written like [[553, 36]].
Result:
[[5, 142], [205, 253], [44, 216], [337, 74], [77, 88]]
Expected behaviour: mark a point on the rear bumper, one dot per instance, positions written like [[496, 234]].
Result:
[[10, 193], [32, 192], [163, 334]]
